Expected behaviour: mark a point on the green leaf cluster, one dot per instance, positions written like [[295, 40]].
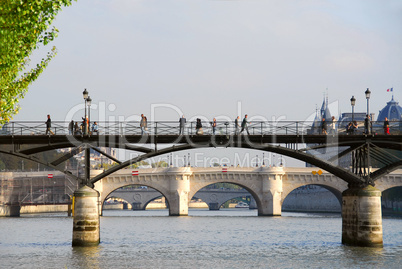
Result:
[[25, 25]]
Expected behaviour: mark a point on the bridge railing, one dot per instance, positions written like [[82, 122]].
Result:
[[173, 128]]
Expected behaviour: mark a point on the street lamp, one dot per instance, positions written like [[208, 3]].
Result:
[[89, 101], [85, 95], [353, 102], [368, 92]]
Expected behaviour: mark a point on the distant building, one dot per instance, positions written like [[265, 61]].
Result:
[[393, 111]]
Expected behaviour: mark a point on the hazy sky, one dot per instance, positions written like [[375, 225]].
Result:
[[203, 57]]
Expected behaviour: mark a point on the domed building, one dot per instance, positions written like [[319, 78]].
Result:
[[393, 111]]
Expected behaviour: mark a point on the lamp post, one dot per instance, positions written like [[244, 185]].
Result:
[[352, 103], [368, 92], [89, 101], [85, 95]]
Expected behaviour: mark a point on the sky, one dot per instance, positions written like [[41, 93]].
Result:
[[218, 58], [210, 57]]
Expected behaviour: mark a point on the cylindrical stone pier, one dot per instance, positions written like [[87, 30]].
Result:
[[86, 230], [361, 217], [271, 191], [178, 190]]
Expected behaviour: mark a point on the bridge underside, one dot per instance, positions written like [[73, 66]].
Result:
[[384, 150]]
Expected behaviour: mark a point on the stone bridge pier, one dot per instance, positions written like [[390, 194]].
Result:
[[179, 189], [361, 217], [270, 193]]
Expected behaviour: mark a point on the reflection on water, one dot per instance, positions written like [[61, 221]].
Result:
[[232, 238], [86, 257]]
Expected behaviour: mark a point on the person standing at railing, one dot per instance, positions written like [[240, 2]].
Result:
[[323, 126], [198, 127], [349, 128], [49, 125], [77, 130], [213, 126], [143, 124], [71, 127], [237, 125], [333, 125], [386, 126], [182, 123], [367, 124], [244, 125], [95, 128], [85, 125]]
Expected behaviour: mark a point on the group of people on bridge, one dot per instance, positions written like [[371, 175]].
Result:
[[326, 127], [352, 126]]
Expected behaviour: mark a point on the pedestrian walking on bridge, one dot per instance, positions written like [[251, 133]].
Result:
[[49, 125], [244, 125]]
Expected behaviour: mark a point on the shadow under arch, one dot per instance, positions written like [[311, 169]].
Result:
[[336, 192], [220, 202], [161, 193], [391, 201], [111, 197]]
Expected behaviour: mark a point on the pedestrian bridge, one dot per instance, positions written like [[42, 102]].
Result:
[[361, 202], [269, 186]]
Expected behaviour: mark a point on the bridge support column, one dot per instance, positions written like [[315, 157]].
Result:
[[86, 217], [361, 217], [271, 191], [10, 210], [179, 190], [137, 206], [213, 206]]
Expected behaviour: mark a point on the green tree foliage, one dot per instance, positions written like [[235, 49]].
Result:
[[24, 27]]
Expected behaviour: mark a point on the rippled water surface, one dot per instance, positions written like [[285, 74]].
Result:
[[230, 238]]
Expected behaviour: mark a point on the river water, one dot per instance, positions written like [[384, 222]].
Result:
[[228, 238]]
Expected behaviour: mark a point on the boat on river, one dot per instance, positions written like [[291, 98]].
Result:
[[242, 204]]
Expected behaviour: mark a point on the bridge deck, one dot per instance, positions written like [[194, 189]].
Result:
[[198, 139]]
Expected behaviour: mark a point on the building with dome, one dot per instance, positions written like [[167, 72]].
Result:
[[393, 111]]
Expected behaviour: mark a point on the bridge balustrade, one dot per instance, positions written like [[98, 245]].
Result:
[[172, 128]]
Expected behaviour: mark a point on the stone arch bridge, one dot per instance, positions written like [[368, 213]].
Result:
[[269, 186]]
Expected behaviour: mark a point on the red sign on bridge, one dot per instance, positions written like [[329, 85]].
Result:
[[134, 173], [49, 175]]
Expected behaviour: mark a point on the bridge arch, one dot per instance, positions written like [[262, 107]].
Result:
[[107, 189], [298, 198], [335, 189], [215, 201]]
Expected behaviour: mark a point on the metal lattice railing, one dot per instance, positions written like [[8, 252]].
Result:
[[173, 128]]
